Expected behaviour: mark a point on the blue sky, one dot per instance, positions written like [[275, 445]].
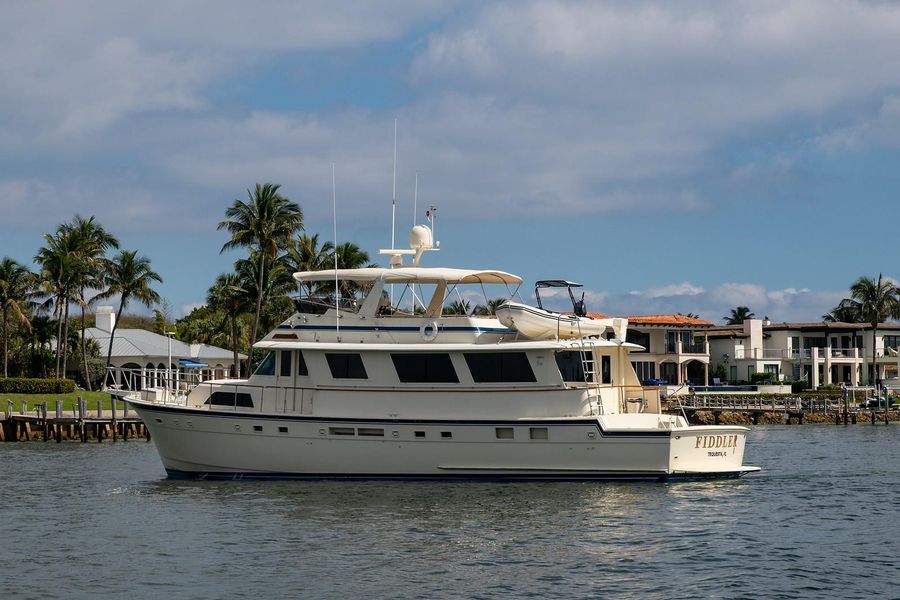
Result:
[[671, 157]]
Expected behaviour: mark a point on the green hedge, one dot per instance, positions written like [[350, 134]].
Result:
[[23, 385]]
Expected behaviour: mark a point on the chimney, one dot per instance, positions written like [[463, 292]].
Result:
[[104, 318], [753, 329]]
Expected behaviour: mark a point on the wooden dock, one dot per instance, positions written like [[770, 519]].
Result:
[[38, 423], [792, 409]]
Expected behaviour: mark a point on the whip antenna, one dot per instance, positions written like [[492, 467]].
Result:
[[394, 191], [337, 290]]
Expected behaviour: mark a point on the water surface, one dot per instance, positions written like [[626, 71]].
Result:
[[92, 520]]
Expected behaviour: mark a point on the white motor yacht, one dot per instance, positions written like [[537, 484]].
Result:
[[385, 384]]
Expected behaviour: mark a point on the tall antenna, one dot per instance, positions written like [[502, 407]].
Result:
[[394, 204], [415, 200], [394, 192], [337, 290]]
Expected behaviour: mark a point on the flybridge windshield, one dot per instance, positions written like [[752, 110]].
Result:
[[433, 292]]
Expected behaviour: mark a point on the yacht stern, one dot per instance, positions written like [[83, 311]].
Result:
[[714, 451]]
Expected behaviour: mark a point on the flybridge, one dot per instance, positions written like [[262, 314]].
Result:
[[424, 275]]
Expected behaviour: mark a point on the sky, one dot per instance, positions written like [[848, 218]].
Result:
[[672, 157]]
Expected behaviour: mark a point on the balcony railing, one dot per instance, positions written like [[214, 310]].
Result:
[[757, 353], [682, 348]]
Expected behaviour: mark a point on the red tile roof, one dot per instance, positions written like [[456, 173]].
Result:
[[654, 319], [667, 320]]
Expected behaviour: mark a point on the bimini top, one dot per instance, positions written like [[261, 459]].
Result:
[[544, 283], [410, 275]]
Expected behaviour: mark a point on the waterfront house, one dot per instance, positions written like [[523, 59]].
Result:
[[820, 352], [147, 353], [676, 350]]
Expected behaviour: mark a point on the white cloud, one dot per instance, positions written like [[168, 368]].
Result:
[[515, 108], [185, 309], [675, 289], [120, 204], [73, 69], [881, 129], [713, 304]]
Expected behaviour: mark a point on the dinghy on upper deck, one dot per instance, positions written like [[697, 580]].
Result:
[[542, 324]]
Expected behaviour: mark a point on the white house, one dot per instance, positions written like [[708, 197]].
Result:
[[822, 353], [141, 351]]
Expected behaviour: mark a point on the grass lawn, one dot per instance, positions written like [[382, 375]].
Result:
[[68, 400]]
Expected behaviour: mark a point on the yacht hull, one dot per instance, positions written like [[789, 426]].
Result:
[[202, 444]]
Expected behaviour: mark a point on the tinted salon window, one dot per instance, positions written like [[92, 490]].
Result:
[[346, 366], [424, 368], [499, 367]]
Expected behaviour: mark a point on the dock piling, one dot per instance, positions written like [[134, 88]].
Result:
[[46, 423]]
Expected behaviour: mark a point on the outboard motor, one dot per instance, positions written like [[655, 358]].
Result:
[[580, 310]]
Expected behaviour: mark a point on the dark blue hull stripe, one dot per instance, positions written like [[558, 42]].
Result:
[[589, 476], [410, 329], [423, 422]]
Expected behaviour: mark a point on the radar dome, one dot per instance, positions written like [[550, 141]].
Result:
[[420, 237]]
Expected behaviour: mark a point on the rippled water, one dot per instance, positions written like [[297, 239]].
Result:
[[101, 520]]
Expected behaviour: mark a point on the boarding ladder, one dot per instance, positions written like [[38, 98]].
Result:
[[588, 369]]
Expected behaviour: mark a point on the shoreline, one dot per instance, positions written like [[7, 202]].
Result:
[[862, 417]]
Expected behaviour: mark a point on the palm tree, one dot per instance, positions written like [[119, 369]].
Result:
[[41, 336], [459, 307], [350, 256], [277, 279], [229, 297], [847, 311], [59, 274], [877, 301], [266, 222], [490, 309], [88, 241], [305, 254], [128, 276], [16, 285], [738, 315]]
